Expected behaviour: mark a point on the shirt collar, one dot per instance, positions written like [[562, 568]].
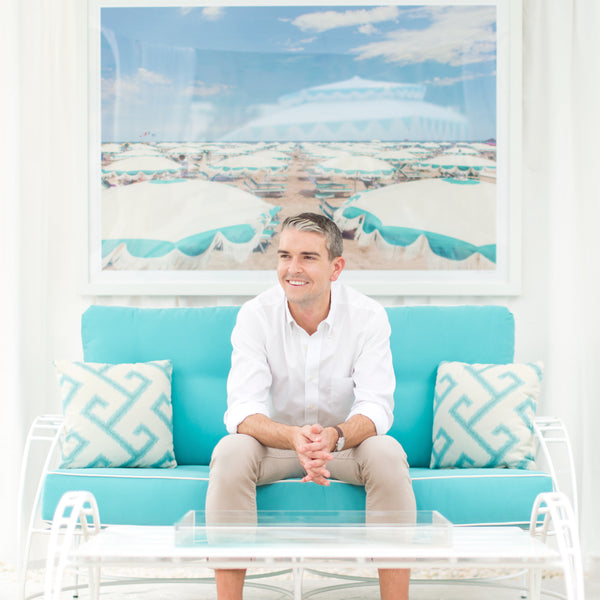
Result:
[[329, 319]]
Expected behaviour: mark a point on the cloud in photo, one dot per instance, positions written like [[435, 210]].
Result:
[[321, 21], [445, 81], [212, 13], [456, 36], [132, 87], [203, 90]]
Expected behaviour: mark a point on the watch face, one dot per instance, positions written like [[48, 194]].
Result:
[[340, 443]]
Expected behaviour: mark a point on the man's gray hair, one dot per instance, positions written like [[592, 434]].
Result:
[[316, 223]]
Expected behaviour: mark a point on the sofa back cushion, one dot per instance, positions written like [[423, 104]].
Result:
[[197, 341], [423, 337]]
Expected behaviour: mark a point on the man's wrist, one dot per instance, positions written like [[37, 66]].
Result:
[[337, 435]]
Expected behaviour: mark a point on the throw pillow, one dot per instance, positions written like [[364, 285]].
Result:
[[483, 415], [116, 415]]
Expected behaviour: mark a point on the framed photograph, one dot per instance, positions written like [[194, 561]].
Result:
[[210, 123]]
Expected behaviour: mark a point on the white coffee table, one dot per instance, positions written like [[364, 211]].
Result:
[[280, 543]]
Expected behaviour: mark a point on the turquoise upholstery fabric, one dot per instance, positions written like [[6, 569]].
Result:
[[197, 340], [424, 336], [159, 497]]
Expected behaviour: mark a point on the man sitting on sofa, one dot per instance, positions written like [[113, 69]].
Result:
[[310, 392]]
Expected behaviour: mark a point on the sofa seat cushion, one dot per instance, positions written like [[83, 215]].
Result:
[[125, 496], [161, 497], [480, 496]]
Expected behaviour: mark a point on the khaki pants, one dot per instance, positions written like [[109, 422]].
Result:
[[239, 463]]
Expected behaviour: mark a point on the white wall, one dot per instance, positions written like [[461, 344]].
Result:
[[50, 186]]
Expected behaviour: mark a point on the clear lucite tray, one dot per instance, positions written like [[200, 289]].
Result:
[[322, 528]]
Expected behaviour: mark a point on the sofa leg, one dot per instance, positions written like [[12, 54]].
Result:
[[46, 429], [560, 520], [76, 516]]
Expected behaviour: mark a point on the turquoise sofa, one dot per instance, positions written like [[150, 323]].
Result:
[[197, 340]]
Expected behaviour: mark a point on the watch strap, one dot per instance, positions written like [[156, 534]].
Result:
[[340, 437]]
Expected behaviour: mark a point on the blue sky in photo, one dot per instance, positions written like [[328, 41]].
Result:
[[197, 73]]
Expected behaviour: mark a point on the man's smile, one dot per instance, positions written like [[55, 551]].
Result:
[[296, 282]]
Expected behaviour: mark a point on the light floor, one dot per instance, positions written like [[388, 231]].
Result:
[[206, 591]]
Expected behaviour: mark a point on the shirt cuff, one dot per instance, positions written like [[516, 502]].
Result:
[[378, 414], [236, 414]]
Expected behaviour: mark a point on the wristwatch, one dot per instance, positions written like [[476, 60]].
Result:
[[341, 441]]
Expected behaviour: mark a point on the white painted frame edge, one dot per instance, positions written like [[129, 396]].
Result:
[[505, 282]]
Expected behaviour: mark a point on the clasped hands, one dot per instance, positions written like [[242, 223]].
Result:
[[312, 444]]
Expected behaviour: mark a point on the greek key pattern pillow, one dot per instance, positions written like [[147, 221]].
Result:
[[483, 415], [116, 415]]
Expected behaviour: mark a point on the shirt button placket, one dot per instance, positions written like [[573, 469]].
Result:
[[311, 383]]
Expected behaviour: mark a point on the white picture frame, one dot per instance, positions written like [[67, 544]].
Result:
[[503, 280]]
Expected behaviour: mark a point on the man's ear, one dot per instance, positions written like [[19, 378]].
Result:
[[338, 266]]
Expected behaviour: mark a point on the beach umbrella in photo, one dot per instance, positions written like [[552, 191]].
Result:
[[322, 152], [462, 149], [149, 165], [185, 149], [484, 148], [135, 150], [111, 148], [468, 164], [401, 156], [456, 218], [178, 224], [250, 164], [356, 167], [270, 154], [134, 153], [353, 165]]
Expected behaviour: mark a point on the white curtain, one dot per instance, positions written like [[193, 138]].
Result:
[[10, 343], [561, 132], [43, 189]]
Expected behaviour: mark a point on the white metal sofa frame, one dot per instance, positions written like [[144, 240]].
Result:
[[551, 438]]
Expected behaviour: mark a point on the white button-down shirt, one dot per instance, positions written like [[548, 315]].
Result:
[[343, 369]]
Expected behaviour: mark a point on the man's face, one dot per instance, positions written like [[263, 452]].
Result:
[[304, 269]]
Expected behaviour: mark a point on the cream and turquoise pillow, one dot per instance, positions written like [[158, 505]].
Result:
[[483, 415], [116, 415]]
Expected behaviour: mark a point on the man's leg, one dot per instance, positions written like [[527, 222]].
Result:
[[379, 463], [394, 584], [232, 487], [230, 583], [239, 463]]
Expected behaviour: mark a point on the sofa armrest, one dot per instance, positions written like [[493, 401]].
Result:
[[43, 439], [554, 450], [553, 515]]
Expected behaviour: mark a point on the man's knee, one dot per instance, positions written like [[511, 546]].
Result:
[[232, 478], [386, 475], [234, 454], [385, 452]]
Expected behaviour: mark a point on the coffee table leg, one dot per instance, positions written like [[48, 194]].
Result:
[[297, 574], [535, 584], [559, 519]]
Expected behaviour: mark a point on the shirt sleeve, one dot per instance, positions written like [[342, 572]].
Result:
[[249, 381], [373, 374]]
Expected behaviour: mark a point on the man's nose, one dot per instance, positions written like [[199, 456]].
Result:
[[295, 266]]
